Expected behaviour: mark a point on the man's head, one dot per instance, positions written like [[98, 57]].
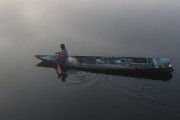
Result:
[[62, 46]]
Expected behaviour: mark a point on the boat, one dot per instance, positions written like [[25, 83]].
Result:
[[113, 64]]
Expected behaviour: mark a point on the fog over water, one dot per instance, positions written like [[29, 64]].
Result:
[[149, 28], [132, 26]]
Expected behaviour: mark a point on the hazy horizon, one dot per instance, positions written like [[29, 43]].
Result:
[[134, 26]]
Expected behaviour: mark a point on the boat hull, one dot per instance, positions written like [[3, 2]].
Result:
[[130, 65]]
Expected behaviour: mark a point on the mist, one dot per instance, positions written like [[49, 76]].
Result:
[[39, 26]]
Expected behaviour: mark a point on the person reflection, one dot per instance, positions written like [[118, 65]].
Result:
[[64, 71], [63, 75]]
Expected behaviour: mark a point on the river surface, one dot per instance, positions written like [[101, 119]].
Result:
[[31, 92], [140, 29]]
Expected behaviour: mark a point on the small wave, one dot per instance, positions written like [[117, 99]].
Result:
[[82, 78], [118, 85]]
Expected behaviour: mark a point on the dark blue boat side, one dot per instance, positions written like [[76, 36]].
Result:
[[114, 64]]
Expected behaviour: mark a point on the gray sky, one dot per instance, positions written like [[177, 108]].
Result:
[[38, 25]]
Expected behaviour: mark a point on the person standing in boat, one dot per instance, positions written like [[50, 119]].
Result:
[[62, 57]]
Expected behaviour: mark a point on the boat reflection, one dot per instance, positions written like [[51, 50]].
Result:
[[64, 74], [64, 70]]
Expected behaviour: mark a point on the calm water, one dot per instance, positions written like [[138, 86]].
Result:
[[28, 92]]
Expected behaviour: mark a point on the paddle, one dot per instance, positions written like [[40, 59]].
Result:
[[59, 71]]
